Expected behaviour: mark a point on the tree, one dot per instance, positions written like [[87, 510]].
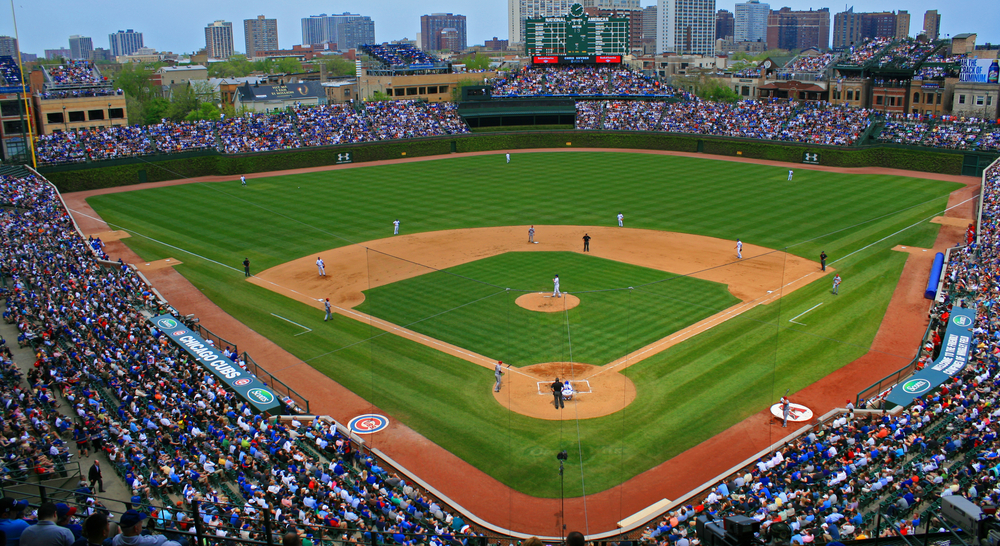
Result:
[[379, 96], [135, 80], [205, 111], [456, 90], [236, 67], [154, 111], [338, 66], [182, 101], [475, 62], [287, 65]]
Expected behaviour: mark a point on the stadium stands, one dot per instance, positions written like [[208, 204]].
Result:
[[577, 81], [10, 73], [397, 54], [257, 133], [966, 134], [906, 54], [171, 431], [862, 54]]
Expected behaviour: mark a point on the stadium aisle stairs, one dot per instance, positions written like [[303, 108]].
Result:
[[114, 486], [659, 119], [604, 111]]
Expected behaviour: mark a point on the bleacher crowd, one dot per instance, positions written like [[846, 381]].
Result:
[[575, 80], [74, 73], [397, 54], [171, 431]]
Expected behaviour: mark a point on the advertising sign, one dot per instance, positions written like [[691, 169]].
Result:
[[979, 71], [954, 356], [243, 383]]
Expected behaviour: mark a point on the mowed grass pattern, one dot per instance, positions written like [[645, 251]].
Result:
[[482, 316], [685, 394]]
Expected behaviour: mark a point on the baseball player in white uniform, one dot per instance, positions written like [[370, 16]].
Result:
[[498, 372], [621, 220], [790, 172], [739, 249], [555, 291], [508, 158], [395, 227], [243, 180], [321, 266]]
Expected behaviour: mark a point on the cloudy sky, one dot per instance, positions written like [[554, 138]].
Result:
[[178, 25]]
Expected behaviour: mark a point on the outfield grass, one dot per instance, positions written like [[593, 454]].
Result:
[[605, 326], [727, 373]]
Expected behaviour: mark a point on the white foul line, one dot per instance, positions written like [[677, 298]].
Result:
[[295, 323], [804, 312]]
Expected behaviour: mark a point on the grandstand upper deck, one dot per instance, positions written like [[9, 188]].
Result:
[[402, 58], [10, 73], [74, 75]]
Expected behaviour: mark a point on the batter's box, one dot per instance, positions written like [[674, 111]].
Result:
[[545, 387]]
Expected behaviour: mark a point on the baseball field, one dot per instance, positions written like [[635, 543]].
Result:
[[422, 316]]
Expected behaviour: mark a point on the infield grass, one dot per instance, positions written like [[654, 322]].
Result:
[[684, 395]]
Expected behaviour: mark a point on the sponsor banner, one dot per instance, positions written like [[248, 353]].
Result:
[[247, 386], [979, 71], [368, 424], [955, 348]]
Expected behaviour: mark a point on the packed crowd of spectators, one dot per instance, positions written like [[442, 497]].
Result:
[[906, 54], [939, 58], [58, 148], [397, 54], [255, 132], [79, 93], [117, 142], [749, 72], [332, 124], [589, 113], [75, 73], [821, 123], [633, 115], [174, 137], [10, 74], [574, 80], [810, 63], [412, 119], [167, 426], [859, 55], [960, 134], [933, 73]]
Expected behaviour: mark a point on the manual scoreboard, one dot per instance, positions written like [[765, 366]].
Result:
[[577, 34]]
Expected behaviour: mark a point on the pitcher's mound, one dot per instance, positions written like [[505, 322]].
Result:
[[544, 302]]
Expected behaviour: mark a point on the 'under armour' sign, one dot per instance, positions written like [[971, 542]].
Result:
[[810, 158], [344, 157]]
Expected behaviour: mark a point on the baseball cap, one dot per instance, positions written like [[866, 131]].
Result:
[[8, 504], [64, 510], [130, 518]]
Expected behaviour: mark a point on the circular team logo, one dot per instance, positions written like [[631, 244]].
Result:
[[167, 323], [180, 332], [243, 382], [916, 386], [962, 320], [368, 424], [263, 396]]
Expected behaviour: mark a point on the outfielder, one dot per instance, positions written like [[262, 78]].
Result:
[[395, 226], [321, 266], [739, 249], [555, 291], [508, 158], [621, 220], [498, 372], [243, 180], [790, 172]]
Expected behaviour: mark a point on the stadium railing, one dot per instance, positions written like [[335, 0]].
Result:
[[276, 384], [217, 340]]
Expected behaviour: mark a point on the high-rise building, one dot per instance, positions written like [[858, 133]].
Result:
[[354, 31], [496, 44], [316, 29], [8, 46], [60, 53], [851, 28], [902, 24], [932, 24], [519, 10], [219, 40], [649, 23], [125, 42], [725, 24], [613, 4], [751, 21], [787, 29], [80, 47], [686, 27], [431, 27], [261, 35]]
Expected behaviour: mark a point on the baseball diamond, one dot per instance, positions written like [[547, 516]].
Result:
[[690, 220]]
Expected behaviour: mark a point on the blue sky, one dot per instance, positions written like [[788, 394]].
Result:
[[178, 25]]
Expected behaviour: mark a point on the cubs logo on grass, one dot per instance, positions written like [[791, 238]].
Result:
[[917, 386], [368, 424]]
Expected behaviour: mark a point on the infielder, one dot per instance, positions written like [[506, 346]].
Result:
[[836, 284], [555, 292], [790, 172], [508, 158], [498, 372], [531, 234], [326, 305], [739, 249], [395, 227], [621, 220], [321, 266], [243, 180]]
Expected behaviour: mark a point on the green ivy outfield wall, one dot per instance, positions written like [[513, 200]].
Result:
[[156, 168]]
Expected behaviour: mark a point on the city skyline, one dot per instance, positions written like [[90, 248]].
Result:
[[181, 29]]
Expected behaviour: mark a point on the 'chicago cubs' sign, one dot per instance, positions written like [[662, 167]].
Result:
[[368, 424]]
